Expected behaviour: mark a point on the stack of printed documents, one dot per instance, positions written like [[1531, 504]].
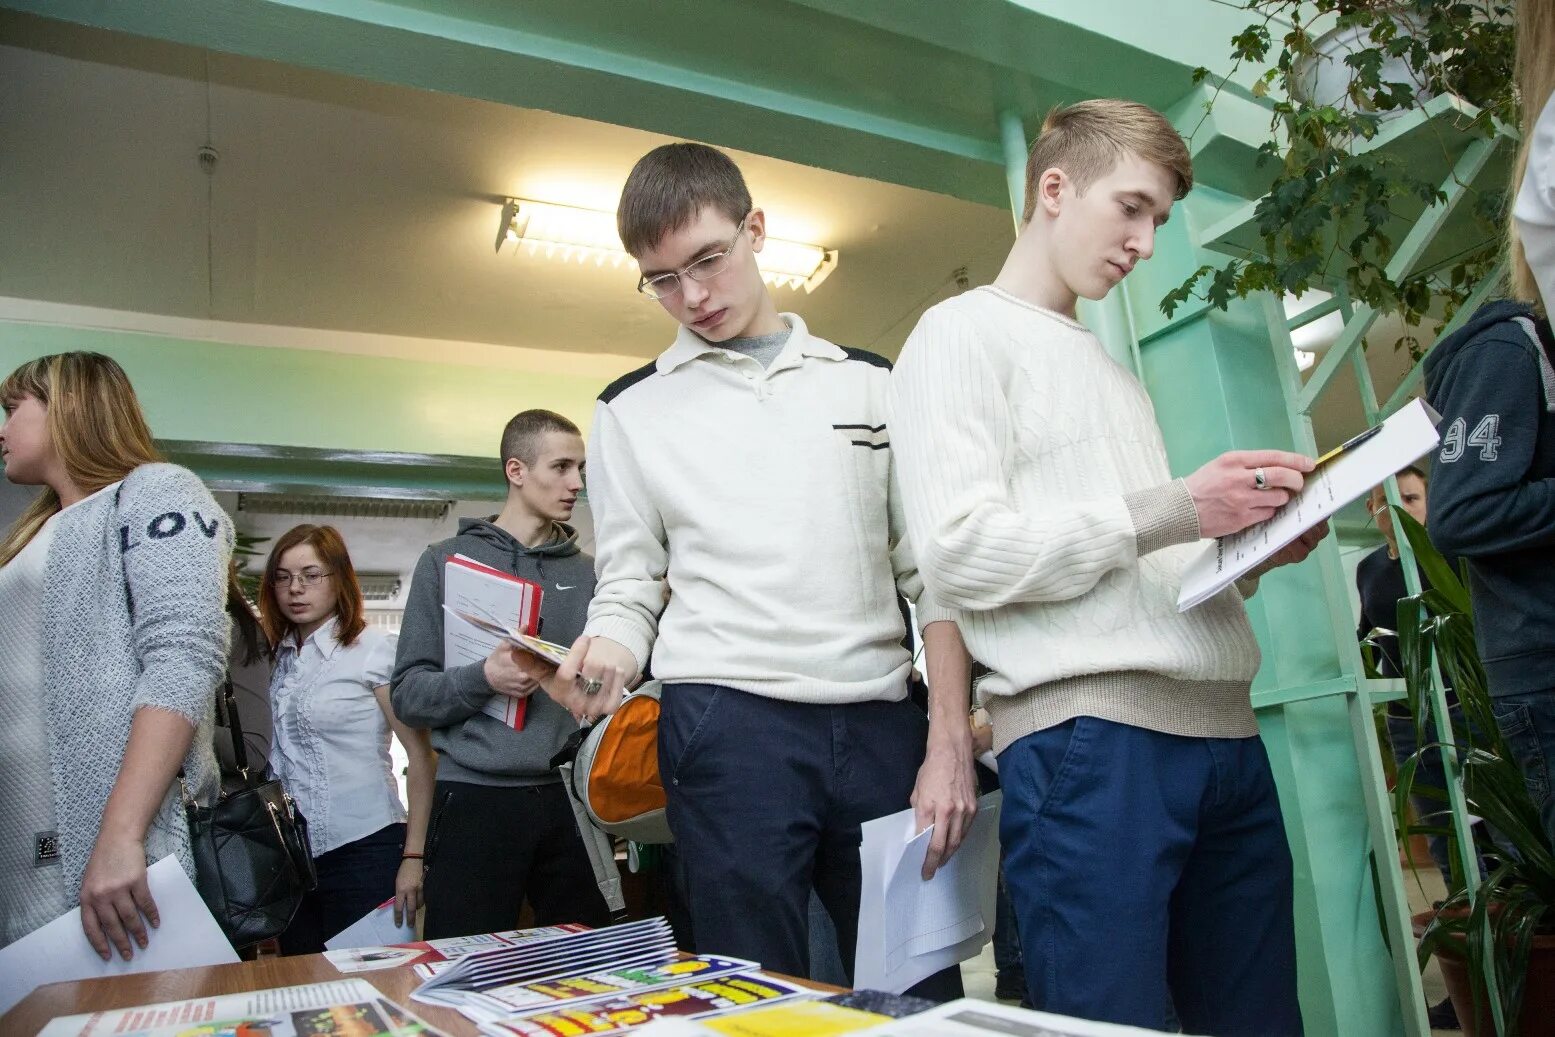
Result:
[[476, 599], [433, 952], [593, 981]]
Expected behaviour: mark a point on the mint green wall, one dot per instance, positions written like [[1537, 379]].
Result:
[[208, 391]]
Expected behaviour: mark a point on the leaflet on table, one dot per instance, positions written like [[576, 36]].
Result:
[[374, 929], [971, 1017], [348, 1007], [647, 942], [794, 1018], [1401, 440], [626, 1011], [473, 589], [435, 954], [517, 999]]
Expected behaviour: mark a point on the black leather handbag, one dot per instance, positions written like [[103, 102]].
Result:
[[253, 863]]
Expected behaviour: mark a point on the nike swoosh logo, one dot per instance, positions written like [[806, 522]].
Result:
[[565, 587]]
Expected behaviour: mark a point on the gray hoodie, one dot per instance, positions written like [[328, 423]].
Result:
[[472, 746]]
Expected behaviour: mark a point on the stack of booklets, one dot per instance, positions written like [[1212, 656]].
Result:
[[600, 981], [436, 952], [345, 1006]]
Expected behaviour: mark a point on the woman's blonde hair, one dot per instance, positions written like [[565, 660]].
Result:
[[94, 422], [1535, 84]]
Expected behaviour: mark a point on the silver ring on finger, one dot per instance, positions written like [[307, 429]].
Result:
[[592, 686], [1260, 480]]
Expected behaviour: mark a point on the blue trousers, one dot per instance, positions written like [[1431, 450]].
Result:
[[1150, 873], [353, 879], [1527, 722], [765, 799]]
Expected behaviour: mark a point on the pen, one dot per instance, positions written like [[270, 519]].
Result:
[[1348, 444]]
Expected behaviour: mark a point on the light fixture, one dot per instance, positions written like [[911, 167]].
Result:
[[567, 232], [1315, 336]]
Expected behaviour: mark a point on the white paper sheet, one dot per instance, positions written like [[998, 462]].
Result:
[[58, 951], [1403, 439], [374, 929], [910, 929], [970, 1017]]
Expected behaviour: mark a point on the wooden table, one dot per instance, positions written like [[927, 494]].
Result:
[[34, 1011]]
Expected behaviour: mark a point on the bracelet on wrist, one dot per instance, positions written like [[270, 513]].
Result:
[[412, 857]]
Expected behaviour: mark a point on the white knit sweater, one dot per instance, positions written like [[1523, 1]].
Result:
[[748, 530], [1037, 490]]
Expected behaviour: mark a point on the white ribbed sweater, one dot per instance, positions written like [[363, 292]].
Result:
[[747, 529], [1037, 491]]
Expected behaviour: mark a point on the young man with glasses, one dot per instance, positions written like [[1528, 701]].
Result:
[[748, 470], [502, 829]]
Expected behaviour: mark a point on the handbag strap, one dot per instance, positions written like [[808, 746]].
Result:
[[226, 699]]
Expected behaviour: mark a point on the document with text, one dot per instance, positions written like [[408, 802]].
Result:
[[1398, 442]]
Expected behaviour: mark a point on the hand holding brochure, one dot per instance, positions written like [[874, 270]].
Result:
[[476, 598], [554, 654], [1341, 477]]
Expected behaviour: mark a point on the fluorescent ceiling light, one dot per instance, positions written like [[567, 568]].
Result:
[[566, 232]]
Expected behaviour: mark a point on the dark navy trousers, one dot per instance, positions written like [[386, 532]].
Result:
[[1150, 873], [765, 799]]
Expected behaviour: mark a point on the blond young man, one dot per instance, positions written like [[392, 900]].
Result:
[[1144, 849], [748, 468]]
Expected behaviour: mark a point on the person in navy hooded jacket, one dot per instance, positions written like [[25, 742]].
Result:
[[1492, 501]]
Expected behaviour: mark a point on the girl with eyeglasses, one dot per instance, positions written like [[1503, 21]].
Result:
[[330, 697]]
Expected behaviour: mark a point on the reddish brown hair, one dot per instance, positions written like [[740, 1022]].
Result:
[[331, 549]]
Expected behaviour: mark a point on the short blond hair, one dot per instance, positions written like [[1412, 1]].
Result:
[[1087, 138]]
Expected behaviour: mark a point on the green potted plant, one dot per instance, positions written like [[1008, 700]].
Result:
[[1333, 78], [1507, 915]]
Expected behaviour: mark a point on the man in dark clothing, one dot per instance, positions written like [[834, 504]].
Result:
[[1492, 501], [1379, 579], [502, 829]]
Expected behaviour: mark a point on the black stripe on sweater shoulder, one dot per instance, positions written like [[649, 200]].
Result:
[[865, 356], [626, 381]]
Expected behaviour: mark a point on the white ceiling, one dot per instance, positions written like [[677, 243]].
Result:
[[349, 205]]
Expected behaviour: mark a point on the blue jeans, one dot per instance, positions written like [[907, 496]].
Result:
[[766, 799], [1527, 722], [1150, 872], [353, 879]]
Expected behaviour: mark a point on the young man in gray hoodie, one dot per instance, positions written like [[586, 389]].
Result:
[[502, 829]]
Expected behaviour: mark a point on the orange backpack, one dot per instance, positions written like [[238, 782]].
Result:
[[615, 775]]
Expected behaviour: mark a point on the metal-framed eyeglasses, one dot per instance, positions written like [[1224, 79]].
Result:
[[306, 578], [662, 286]]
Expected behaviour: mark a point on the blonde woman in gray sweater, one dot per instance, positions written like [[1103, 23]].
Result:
[[112, 584]]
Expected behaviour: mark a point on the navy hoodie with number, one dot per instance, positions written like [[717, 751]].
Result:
[[1492, 495]]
